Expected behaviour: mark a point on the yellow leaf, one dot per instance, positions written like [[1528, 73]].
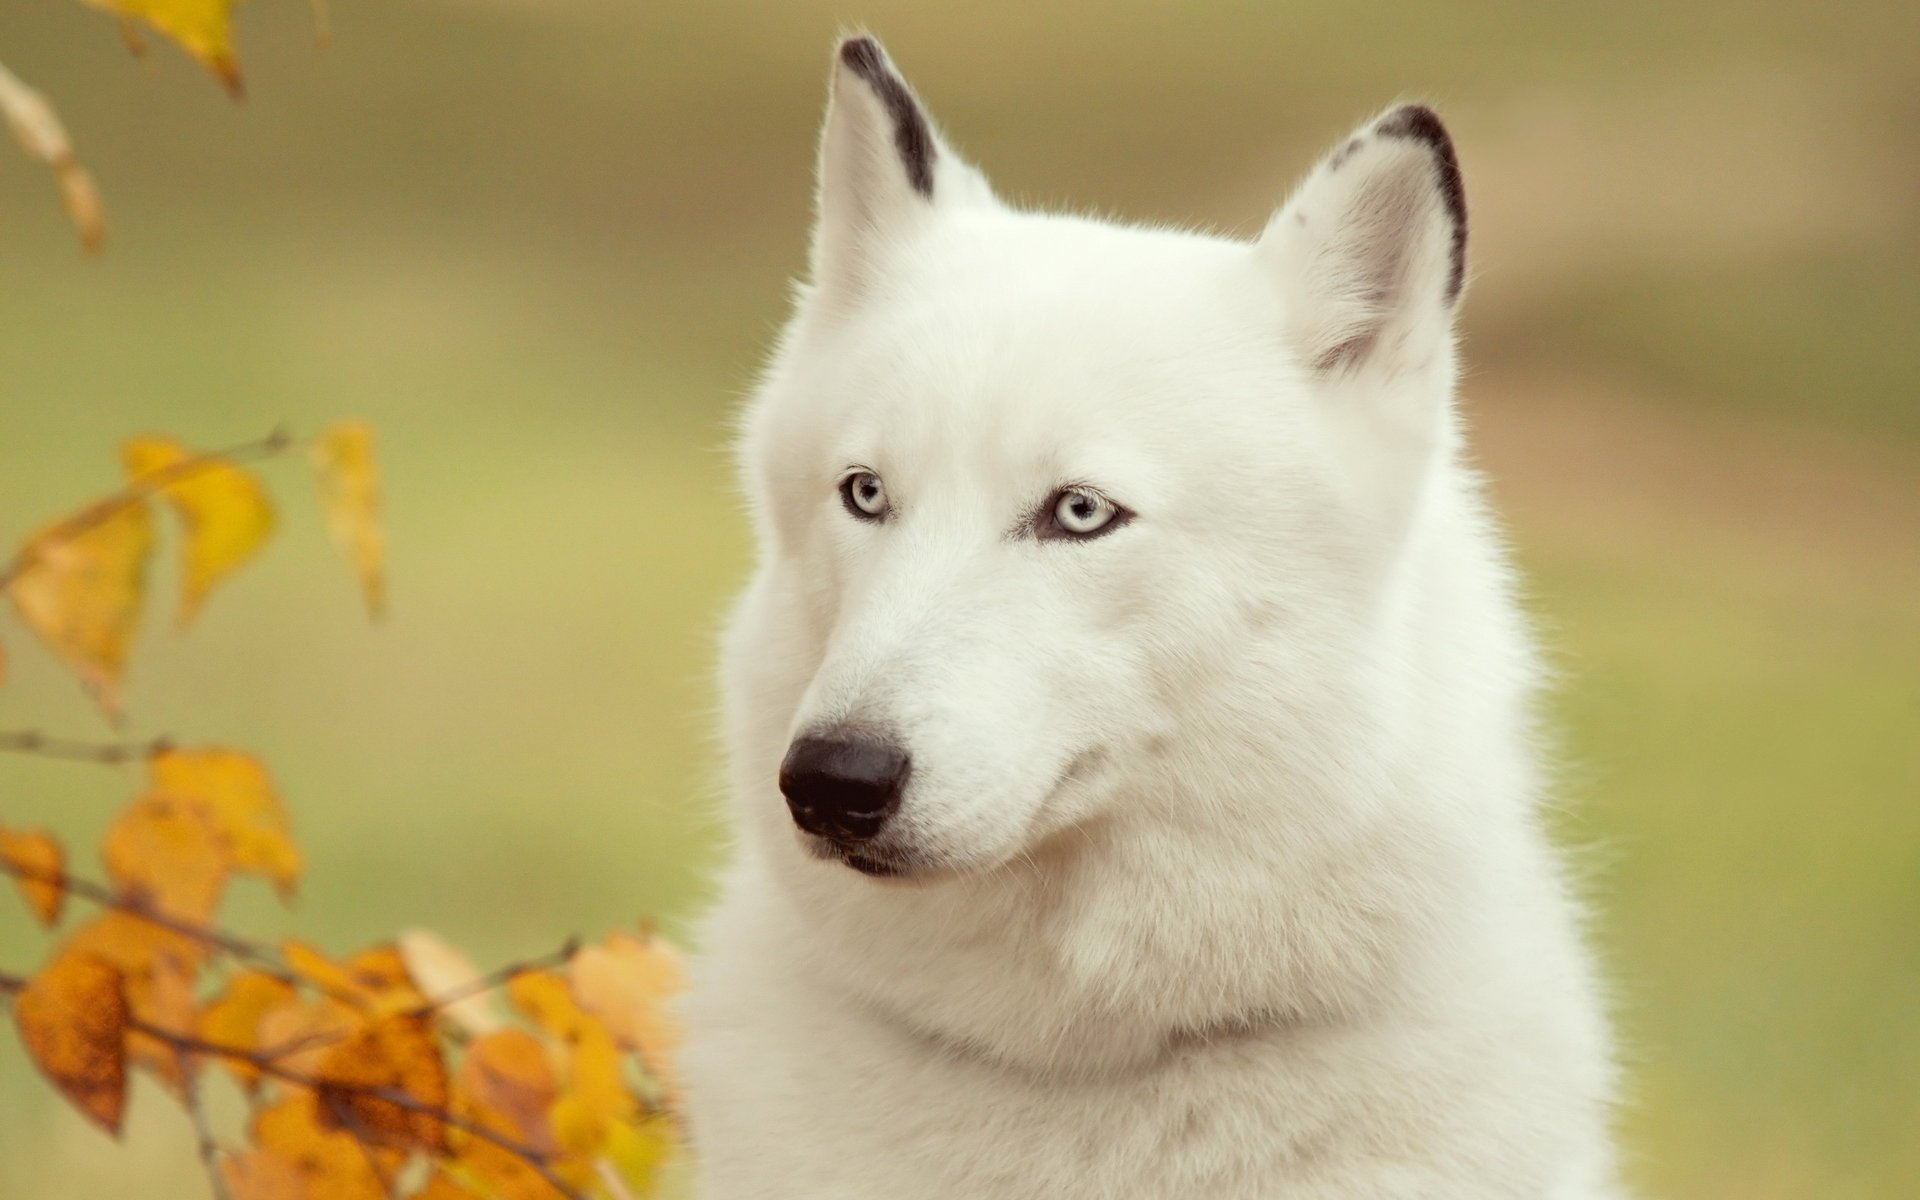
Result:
[[625, 982], [232, 794], [38, 130], [72, 1018], [203, 28], [234, 1017], [441, 970], [638, 1149], [593, 1093], [349, 489], [161, 853], [78, 587], [223, 510], [44, 864]]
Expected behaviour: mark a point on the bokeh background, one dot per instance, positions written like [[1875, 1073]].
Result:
[[542, 245]]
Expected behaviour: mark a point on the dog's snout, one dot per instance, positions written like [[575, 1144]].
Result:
[[843, 785]]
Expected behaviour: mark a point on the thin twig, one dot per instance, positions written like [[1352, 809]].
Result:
[[11, 983], [134, 493], [31, 741], [203, 1134]]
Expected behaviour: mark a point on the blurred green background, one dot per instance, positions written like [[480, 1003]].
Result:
[[542, 244]]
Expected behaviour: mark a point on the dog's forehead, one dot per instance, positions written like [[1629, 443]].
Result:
[[1019, 316]]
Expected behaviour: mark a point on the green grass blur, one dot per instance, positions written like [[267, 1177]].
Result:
[[541, 245]]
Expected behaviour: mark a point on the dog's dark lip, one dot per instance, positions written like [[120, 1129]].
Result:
[[874, 867]]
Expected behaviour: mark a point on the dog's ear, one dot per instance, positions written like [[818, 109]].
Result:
[[884, 170], [1372, 250]]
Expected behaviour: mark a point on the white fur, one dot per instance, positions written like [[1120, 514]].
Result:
[[1236, 885]]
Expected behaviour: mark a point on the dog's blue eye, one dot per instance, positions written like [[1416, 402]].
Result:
[[1080, 513], [864, 495]]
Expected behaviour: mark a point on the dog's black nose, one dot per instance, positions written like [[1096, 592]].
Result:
[[842, 785]]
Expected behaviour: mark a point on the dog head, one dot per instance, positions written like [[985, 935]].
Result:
[[1056, 516]]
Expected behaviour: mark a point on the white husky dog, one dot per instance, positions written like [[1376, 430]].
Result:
[[1130, 718]]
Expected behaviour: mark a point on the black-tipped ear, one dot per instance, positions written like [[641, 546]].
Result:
[[1372, 248], [884, 170]]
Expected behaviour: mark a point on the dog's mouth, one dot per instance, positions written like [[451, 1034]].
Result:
[[864, 857], [875, 867]]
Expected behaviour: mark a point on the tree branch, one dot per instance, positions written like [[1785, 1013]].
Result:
[[180, 1042], [31, 741], [203, 1135], [263, 959]]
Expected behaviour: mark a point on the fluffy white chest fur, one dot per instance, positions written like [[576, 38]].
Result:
[[1129, 718]]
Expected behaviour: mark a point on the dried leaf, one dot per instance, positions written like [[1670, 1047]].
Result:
[[440, 970], [234, 1017], [349, 490], [625, 982], [38, 130], [232, 794], [222, 509], [397, 1055], [163, 854], [39, 856], [203, 28], [79, 587], [72, 1017]]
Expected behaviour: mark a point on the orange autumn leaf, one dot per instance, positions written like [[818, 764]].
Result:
[[233, 1018], [162, 998], [157, 969], [332, 1165], [263, 1175], [507, 1074], [160, 852], [349, 491], [223, 511], [625, 982], [72, 1017], [481, 1168], [135, 945], [442, 1187], [441, 970], [232, 794], [373, 983], [78, 587], [300, 1034], [203, 28], [399, 1056], [42, 865]]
